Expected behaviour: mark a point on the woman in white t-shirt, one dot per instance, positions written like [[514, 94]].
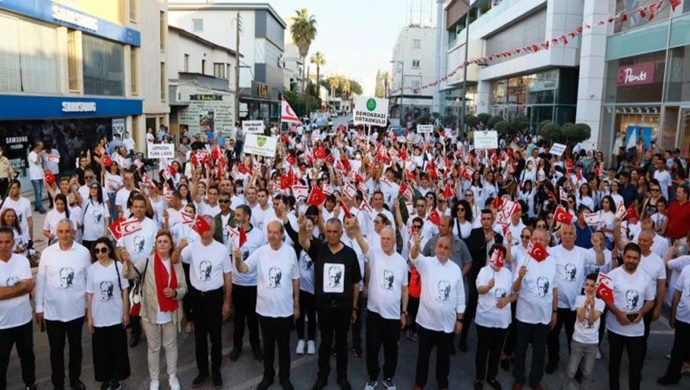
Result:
[[9, 218], [494, 285], [107, 313], [607, 219], [462, 223], [113, 183], [157, 202], [59, 212], [95, 216]]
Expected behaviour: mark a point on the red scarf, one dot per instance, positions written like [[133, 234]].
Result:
[[164, 280]]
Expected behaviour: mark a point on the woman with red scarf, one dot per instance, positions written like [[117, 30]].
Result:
[[162, 288]]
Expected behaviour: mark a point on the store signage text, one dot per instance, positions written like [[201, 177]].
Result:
[[76, 18], [78, 106], [206, 97], [638, 74]]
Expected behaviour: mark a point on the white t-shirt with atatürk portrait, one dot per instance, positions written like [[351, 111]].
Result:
[[275, 271]]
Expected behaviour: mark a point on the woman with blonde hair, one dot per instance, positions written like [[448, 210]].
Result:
[[162, 288]]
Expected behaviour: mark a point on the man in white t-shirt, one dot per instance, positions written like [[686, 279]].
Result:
[[663, 177], [633, 293], [36, 172], [441, 309], [386, 284], [209, 274], [22, 208], [123, 193], [536, 310], [680, 320], [61, 302], [655, 268], [16, 283], [261, 208], [278, 299], [570, 277]]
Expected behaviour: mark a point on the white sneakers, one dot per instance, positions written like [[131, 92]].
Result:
[[155, 385], [174, 383], [311, 347], [371, 385], [300, 347]]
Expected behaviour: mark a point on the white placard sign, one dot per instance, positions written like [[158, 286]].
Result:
[[260, 145], [557, 149], [161, 150], [487, 139], [253, 127], [425, 129], [118, 126], [370, 111]]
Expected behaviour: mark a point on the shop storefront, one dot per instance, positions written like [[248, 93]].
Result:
[[548, 95], [71, 125], [261, 103]]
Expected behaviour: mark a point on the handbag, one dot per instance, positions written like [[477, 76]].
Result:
[[135, 292]]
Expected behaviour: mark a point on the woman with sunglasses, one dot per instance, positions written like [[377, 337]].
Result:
[[95, 216], [107, 314], [462, 219], [162, 288], [649, 207]]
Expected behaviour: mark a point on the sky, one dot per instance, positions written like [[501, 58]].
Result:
[[356, 36]]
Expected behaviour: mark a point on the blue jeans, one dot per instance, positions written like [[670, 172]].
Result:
[[113, 207], [38, 194]]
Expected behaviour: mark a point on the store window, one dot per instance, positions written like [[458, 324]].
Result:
[[634, 19], [498, 91], [134, 70], [163, 83], [219, 70], [636, 79], [103, 64], [542, 87], [73, 60], [678, 75]]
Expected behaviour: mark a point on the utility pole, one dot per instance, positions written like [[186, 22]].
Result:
[[403, 123], [464, 71], [238, 23]]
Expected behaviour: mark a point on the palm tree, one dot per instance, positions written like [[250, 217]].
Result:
[[303, 32], [319, 60]]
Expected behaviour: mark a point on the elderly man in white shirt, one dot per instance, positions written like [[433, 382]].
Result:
[[441, 309]]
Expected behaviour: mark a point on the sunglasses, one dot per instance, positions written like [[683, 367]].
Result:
[[417, 226], [461, 209], [223, 200], [421, 205], [655, 190], [525, 237], [100, 250], [468, 195]]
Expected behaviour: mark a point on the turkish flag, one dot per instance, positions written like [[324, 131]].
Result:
[[448, 192], [538, 252], [291, 159], [358, 178], [497, 203], [569, 165], [579, 174], [346, 209], [402, 154], [330, 159], [285, 181], [631, 213], [497, 259], [320, 153], [200, 225], [243, 236], [49, 178], [411, 175], [123, 227], [316, 197], [562, 215], [675, 4], [107, 161], [434, 217], [604, 288]]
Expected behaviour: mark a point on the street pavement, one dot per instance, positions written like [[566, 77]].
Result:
[[246, 373]]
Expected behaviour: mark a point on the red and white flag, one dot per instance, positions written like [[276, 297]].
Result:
[[593, 219], [286, 112], [562, 215], [349, 190], [604, 288], [434, 217], [497, 259], [316, 197], [187, 219], [123, 227], [200, 225], [301, 192], [620, 211], [537, 252]]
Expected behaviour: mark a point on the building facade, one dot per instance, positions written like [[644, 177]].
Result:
[[67, 75], [413, 65], [261, 44], [202, 84]]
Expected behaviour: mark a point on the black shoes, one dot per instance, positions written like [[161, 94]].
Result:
[[258, 355], [462, 345], [551, 368], [78, 385], [320, 384], [666, 381], [134, 340], [235, 354], [357, 351], [217, 381], [287, 385], [344, 384], [494, 384], [265, 384], [199, 380], [478, 384]]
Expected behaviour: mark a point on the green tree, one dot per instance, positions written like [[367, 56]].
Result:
[[494, 119], [319, 60], [471, 121], [550, 131], [519, 123], [303, 32], [503, 128], [484, 117]]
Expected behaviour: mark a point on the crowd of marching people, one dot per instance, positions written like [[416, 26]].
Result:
[[376, 235]]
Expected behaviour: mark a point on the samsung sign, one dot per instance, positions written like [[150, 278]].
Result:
[[78, 106]]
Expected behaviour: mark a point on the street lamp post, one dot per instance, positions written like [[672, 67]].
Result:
[[402, 91], [464, 70]]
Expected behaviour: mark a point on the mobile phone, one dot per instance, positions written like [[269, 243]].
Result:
[[631, 316], [43, 327]]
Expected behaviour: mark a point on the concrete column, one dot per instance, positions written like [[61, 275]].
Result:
[[483, 96], [590, 91]]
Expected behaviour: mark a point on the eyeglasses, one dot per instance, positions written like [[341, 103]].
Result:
[[223, 200], [421, 205], [461, 209], [88, 177], [655, 189], [525, 237], [102, 249], [469, 195], [417, 226]]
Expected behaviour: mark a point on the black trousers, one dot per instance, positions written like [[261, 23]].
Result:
[[382, 331], [489, 345], [566, 317], [244, 299], [208, 323], [110, 355], [679, 353], [4, 186], [412, 309], [187, 300], [635, 346], [509, 345], [334, 323], [536, 334], [647, 319], [471, 309], [443, 342], [307, 306], [58, 331], [23, 337], [276, 331], [357, 325]]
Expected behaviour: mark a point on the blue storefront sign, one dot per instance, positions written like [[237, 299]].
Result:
[[62, 15], [22, 107]]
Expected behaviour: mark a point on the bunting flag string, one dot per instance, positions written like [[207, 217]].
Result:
[[647, 12]]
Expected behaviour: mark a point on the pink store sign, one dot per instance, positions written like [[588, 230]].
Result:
[[637, 74]]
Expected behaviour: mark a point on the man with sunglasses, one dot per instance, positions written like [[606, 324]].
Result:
[[428, 228], [224, 219], [89, 177]]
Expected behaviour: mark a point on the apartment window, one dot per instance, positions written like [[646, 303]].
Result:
[[163, 82], [103, 65], [134, 71], [72, 61], [163, 28], [186, 63], [203, 66], [416, 43], [414, 83], [198, 25], [133, 11], [219, 71], [415, 64], [227, 71]]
